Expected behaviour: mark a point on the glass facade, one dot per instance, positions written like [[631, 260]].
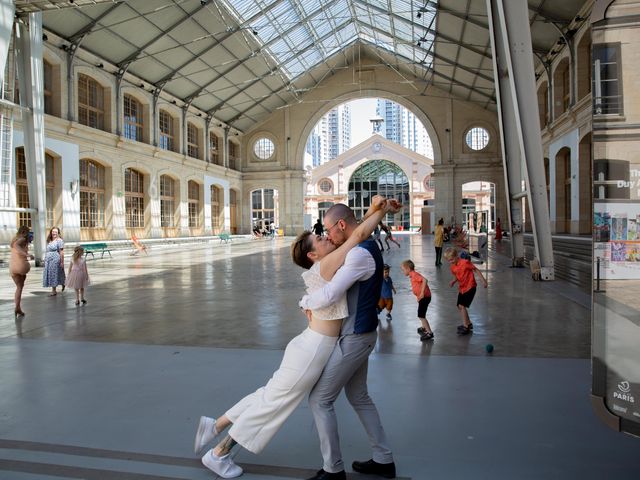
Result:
[[380, 177]]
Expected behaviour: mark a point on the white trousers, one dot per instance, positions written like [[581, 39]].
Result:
[[258, 416]]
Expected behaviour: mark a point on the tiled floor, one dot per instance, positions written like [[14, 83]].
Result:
[[113, 389]]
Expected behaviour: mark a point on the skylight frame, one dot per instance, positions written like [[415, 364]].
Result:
[[391, 25]]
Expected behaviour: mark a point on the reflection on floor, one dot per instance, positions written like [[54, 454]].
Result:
[[113, 389]]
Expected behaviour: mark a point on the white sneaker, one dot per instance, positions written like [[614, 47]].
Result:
[[205, 434], [222, 466]]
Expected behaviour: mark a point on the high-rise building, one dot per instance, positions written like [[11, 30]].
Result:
[[402, 127], [331, 136]]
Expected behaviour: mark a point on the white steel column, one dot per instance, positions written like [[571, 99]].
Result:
[[518, 113], [30, 76], [7, 12]]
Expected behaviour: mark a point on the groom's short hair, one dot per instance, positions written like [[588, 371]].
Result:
[[340, 211]]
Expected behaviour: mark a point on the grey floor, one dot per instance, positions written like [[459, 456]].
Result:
[[113, 390]]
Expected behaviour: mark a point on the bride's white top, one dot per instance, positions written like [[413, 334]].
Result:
[[314, 281]]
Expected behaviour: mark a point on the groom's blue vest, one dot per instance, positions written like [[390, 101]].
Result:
[[363, 297]]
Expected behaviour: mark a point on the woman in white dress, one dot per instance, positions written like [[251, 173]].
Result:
[[256, 418]]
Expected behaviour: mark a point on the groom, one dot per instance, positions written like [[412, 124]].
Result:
[[361, 277]]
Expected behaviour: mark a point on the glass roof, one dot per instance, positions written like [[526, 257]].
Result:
[[301, 34]]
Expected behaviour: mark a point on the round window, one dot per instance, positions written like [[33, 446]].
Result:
[[429, 184], [325, 185], [263, 148], [477, 138]]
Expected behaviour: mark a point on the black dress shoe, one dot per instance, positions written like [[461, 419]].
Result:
[[322, 475], [386, 470]]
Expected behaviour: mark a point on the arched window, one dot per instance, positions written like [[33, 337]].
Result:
[[166, 131], [22, 189], [584, 65], [167, 201], [214, 145], [543, 104], [193, 144], [134, 198], [133, 126], [217, 204], [92, 191], [561, 88], [194, 204], [48, 88], [90, 102], [379, 177], [234, 160]]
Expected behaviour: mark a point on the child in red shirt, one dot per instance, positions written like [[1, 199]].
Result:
[[420, 288], [464, 272]]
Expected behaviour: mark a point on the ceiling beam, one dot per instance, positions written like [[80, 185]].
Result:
[[170, 76], [267, 45], [439, 57], [79, 35], [124, 64]]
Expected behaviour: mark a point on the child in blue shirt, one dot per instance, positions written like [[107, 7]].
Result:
[[386, 296]]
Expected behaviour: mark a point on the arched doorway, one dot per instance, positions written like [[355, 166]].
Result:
[[264, 208], [380, 177], [479, 206], [217, 209]]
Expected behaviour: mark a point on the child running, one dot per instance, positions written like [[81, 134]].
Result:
[[464, 272], [78, 276], [386, 295], [420, 288]]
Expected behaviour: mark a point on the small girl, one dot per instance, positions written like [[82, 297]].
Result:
[[78, 277]]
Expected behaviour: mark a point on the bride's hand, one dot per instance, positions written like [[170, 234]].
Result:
[[378, 202]]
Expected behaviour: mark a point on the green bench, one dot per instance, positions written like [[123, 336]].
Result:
[[224, 237], [91, 248]]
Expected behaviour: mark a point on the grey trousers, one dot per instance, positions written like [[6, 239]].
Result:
[[347, 368]]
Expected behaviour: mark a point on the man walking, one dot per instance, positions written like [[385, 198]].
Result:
[[361, 277]]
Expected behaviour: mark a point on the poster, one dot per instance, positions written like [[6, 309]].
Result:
[[616, 240]]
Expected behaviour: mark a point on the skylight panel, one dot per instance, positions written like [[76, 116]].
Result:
[[281, 51], [244, 9], [299, 38], [310, 6], [404, 8], [379, 3], [320, 24]]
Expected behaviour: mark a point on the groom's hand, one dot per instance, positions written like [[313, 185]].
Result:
[[393, 206]]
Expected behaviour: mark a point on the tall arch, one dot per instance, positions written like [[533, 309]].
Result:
[[358, 94]]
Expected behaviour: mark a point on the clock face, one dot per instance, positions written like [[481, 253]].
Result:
[[377, 147]]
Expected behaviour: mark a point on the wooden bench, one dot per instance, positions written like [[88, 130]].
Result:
[[91, 248], [224, 237]]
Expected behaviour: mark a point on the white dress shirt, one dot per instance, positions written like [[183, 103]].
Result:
[[358, 265]]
